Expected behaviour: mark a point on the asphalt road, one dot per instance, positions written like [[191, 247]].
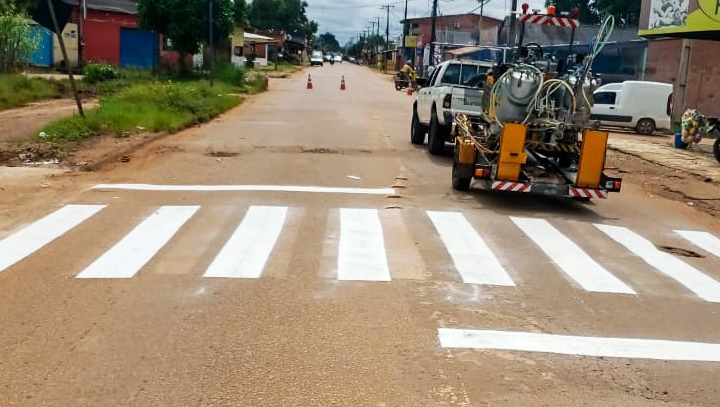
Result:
[[299, 251]]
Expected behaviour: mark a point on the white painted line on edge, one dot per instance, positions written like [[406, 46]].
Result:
[[685, 274], [703, 240], [473, 259], [571, 259], [43, 231], [361, 252], [248, 249], [246, 188], [579, 345], [131, 253]]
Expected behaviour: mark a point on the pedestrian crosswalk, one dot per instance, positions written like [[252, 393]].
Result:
[[367, 246]]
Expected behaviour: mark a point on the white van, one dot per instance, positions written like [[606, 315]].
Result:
[[644, 106]]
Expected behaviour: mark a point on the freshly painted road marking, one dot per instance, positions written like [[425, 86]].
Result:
[[703, 240], [473, 259], [246, 188], [571, 259], [579, 345], [361, 252], [685, 274], [43, 231], [248, 249], [131, 253]]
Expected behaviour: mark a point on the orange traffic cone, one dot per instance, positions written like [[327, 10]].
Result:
[[342, 83], [309, 84]]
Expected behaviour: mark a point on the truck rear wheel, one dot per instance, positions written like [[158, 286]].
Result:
[[436, 136], [417, 130]]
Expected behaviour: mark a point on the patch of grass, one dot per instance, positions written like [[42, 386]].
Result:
[[281, 67], [18, 90], [255, 83], [156, 107]]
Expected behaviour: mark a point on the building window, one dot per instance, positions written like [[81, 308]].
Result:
[[238, 51]]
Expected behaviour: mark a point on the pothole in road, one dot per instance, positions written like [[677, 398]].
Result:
[[221, 154], [681, 252]]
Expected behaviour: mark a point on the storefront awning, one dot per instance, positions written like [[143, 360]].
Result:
[[251, 38]]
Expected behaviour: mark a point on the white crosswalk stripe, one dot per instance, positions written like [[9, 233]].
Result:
[[701, 284], [704, 240], [571, 259], [361, 254], [248, 249], [473, 259], [355, 248], [130, 254], [35, 236]]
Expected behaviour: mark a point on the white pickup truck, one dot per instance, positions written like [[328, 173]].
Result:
[[453, 87]]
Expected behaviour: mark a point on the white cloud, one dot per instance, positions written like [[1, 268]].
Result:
[[351, 17]]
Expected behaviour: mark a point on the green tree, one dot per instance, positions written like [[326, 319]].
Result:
[[241, 12], [185, 22], [588, 13], [16, 39], [287, 15], [626, 12], [327, 42]]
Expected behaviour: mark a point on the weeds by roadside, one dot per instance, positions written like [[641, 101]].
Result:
[[157, 107], [18, 90]]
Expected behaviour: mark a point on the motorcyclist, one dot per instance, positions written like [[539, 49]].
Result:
[[408, 70]]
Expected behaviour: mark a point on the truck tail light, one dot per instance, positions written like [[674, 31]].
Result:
[[447, 101]]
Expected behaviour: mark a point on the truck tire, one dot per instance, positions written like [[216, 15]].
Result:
[[417, 130], [436, 136], [716, 149], [459, 183], [645, 126]]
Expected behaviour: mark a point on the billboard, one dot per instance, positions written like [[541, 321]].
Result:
[[683, 18]]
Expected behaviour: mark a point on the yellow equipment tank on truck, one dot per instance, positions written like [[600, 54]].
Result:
[[534, 133]]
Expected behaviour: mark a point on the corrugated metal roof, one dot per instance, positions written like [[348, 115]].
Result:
[[115, 6]]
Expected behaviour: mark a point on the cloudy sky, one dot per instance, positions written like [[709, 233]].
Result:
[[347, 18]]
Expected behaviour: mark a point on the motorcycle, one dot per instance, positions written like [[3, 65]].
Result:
[[402, 81]]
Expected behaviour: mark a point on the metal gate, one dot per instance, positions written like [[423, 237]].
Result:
[[43, 54], [138, 49]]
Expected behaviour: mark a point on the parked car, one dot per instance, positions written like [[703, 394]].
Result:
[[316, 58], [337, 58], [453, 87], [643, 106]]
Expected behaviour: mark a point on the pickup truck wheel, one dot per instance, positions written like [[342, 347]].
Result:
[[645, 126], [459, 183], [436, 137], [417, 130], [716, 149]]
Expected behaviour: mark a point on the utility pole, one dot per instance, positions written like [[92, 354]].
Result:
[[81, 32], [511, 29], [482, 14], [679, 103], [405, 29], [432, 32], [212, 49], [387, 26]]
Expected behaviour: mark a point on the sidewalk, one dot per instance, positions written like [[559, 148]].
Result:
[[697, 160]]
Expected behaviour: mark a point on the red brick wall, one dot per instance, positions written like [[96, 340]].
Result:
[[663, 64]]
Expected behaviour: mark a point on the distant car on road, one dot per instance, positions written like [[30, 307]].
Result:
[[337, 58], [316, 58]]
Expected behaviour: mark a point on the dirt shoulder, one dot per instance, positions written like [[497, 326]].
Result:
[[20, 124]]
